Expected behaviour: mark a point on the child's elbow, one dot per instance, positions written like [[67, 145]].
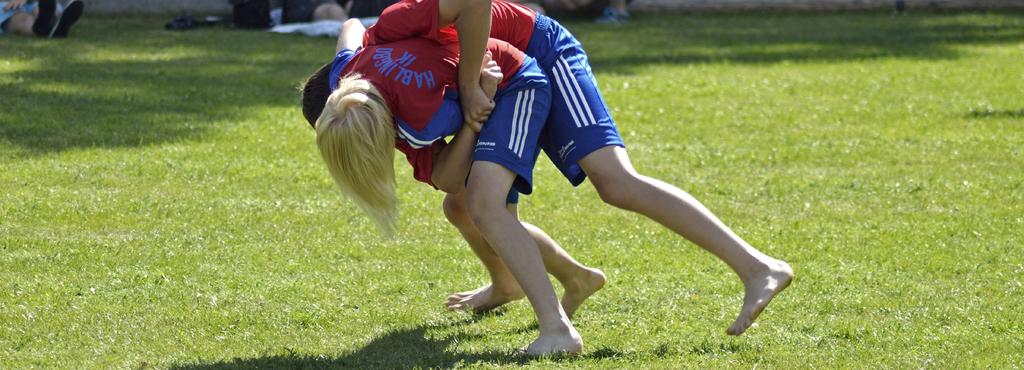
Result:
[[446, 184], [450, 187]]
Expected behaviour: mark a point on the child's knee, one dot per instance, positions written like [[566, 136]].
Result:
[[455, 211], [621, 198], [619, 191], [483, 204]]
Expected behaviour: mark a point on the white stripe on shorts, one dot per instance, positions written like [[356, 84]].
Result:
[[526, 121], [579, 93], [559, 80], [513, 137]]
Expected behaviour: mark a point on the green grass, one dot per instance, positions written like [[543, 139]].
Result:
[[164, 205]]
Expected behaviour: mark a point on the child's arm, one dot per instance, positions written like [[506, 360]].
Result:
[[452, 162], [472, 19], [490, 76], [351, 35]]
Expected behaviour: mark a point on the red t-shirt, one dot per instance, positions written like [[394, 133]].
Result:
[[411, 74], [421, 106], [407, 19], [398, 26], [510, 22]]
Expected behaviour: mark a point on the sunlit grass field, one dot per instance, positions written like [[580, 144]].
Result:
[[163, 204]]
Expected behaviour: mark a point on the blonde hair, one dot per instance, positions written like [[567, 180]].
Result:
[[356, 138]]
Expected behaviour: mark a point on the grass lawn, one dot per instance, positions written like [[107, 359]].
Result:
[[163, 203]]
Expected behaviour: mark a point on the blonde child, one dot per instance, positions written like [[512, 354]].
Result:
[[396, 90]]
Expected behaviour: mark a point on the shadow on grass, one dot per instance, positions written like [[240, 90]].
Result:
[[751, 38], [988, 113], [133, 86], [398, 349], [124, 83]]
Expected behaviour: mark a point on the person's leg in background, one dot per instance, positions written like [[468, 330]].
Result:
[[65, 18], [20, 23], [329, 10], [27, 19], [616, 12], [38, 19]]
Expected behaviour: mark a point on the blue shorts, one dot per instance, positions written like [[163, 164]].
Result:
[[5, 15], [579, 122], [510, 136]]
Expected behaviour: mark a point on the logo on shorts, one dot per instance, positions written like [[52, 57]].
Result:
[[565, 150], [485, 145]]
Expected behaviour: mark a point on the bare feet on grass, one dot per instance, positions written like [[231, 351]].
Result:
[[586, 282], [760, 289], [553, 342], [484, 299]]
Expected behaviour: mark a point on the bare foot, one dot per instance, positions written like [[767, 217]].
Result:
[[759, 292], [484, 299], [553, 343], [586, 283]]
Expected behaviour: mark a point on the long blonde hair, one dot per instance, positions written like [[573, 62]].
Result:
[[356, 138]]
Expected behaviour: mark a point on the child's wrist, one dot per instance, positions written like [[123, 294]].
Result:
[[465, 83], [470, 128]]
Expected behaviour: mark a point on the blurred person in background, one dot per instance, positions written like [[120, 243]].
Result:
[[294, 11], [45, 18]]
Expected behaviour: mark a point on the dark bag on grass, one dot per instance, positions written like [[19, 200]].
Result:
[[298, 10], [369, 8], [251, 13]]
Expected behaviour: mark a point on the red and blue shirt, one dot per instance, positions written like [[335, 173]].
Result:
[[510, 22], [414, 74]]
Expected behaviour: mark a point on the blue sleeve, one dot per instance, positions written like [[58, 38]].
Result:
[[447, 121], [340, 61]]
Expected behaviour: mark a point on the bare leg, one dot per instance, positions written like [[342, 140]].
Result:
[[488, 185], [503, 287], [330, 11], [20, 23], [621, 186], [579, 281]]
